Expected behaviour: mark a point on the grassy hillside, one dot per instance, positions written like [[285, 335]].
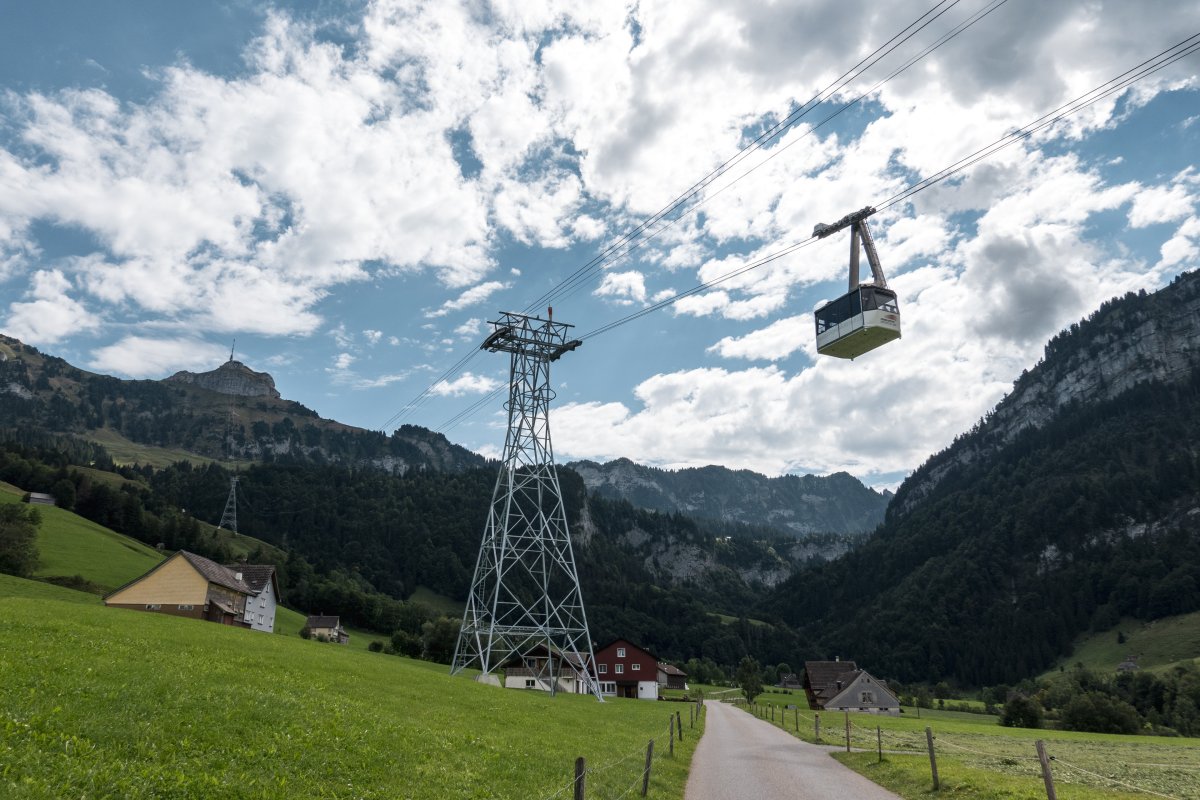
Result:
[[1157, 644], [125, 451], [70, 545], [156, 706]]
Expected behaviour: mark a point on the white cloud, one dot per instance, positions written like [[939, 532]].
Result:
[[472, 296], [625, 288], [343, 361], [144, 357], [467, 383], [49, 315], [470, 329], [372, 336], [776, 341]]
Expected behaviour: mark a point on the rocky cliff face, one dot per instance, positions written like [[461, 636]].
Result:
[[798, 505], [1130, 340], [232, 378]]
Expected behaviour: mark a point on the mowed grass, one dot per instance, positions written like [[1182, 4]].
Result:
[[111, 703], [978, 758], [1157, 644], [438, 603], [70, 545]]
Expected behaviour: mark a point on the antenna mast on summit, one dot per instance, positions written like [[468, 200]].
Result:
[[232, 347], [525, 608]]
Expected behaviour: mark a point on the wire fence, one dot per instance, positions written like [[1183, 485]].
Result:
[[628, 774], [1165, 770]]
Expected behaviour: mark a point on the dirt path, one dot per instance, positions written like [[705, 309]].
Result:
[[741, 757]]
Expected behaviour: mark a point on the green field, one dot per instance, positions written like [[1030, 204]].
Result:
[[438, 603], [978, 758], [70, 545], [100, 702], [1157, 644], [125, 451]]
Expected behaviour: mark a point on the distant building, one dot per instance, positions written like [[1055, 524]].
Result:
[[40, 499], [264, 583], [625, 670], [671, 676], [534, 672], [790, 680], [188, 585], [842, 686], [328, 627], [1128, 665]]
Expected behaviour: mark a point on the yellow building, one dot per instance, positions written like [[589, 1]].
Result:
[[188, 585]]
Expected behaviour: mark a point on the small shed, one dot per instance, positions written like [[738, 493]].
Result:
[[40, 499], [671, 676]]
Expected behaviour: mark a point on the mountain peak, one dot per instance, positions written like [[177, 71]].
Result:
[[232, 378]]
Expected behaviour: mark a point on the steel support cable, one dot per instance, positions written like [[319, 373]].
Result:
[[577, 279], [976, 17], [594, 265], [1118, 84], [1121, 82]]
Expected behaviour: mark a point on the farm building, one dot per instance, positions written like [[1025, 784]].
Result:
[[842, 686], [40, 499], [264, 583], [326, 627], [790, 680], [671, 676], [626, 670], [188, 585], [534, 671]]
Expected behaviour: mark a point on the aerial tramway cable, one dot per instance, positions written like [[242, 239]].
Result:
[[1150, 66], [574, 282]]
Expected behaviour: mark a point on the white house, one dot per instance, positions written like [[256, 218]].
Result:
[[264, 585]]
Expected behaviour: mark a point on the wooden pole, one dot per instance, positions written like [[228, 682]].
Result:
[[649, 761], [847, 731], [580, 777], [797, 718], [879, 742], [691, 717], [932, 758], [672, 741], [817, 726], [1047, 776], [679, 723]]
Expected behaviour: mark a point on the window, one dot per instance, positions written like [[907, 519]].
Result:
[[608, 687], [530, 683], [620, 669], [603, 668], [620, 652], [867, 697], [153, 606], [262, 602], [635, 666], [184, 607], [260, 619]]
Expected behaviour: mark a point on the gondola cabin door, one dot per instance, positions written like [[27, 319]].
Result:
[[868, 315]]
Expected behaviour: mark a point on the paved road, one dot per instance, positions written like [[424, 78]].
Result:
[[743, 758]]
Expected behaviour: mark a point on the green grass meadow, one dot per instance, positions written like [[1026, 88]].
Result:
[[1157, 645], [111, 703], [978, 758]]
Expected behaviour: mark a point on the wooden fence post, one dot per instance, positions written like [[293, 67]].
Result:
[[646, 774], [879, 742], [932, 757], [672, 740], [817, 726], [1047, 776], [797, 718], [580, 777], [847, 731], [691, 717], [679, 723]]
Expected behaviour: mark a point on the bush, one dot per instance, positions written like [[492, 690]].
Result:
[[18, 539], [1097, 712], [306, 632], [406, 644], [375, 646], [1021, 711]]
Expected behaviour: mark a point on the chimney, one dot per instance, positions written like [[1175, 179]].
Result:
[[237, 576], [837, 658]]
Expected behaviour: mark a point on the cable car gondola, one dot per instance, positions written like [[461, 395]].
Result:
[[868, 315]]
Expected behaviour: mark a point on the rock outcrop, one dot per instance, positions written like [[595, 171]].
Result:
[[232, 378]]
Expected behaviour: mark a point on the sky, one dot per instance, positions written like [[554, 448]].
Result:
[[352, 190]]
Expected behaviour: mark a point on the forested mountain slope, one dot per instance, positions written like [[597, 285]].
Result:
[[795, 504], [1076, 501], [231, 412]]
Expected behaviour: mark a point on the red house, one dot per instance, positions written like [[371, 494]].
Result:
[[625, 670]]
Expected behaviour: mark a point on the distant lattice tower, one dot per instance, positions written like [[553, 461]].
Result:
[[229, 517], [525, 607]]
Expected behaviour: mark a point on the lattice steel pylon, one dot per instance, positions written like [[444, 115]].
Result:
[[229, 516], [525, 603]]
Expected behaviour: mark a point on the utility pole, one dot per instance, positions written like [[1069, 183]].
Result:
[[229, 516], [525, 606]]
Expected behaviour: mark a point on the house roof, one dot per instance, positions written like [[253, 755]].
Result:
[[322, 621], [215, 573], [848, 679], [671, 669], [822, 677], [628, 643], [256, 576], [208, 569]]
